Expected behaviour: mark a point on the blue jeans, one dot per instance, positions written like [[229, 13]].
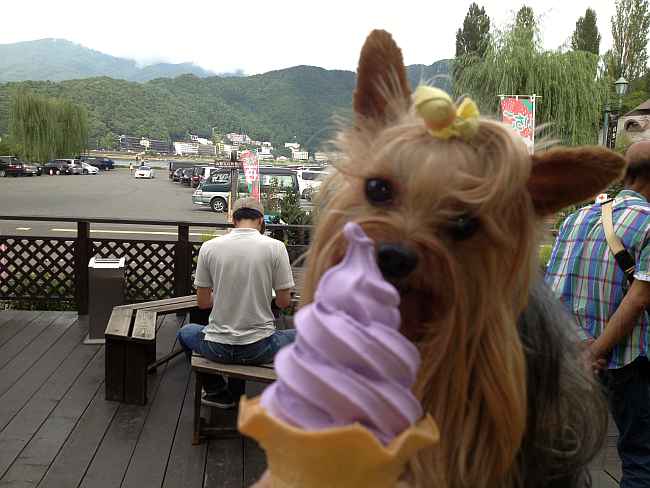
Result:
[[191, 338], [628, 391]]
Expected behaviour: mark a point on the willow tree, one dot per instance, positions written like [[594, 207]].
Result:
[[71, 133], [515, 64], [44, 128]]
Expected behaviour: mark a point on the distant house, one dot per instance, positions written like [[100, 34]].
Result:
[[184, 148], [238, 138], [636, 123], [265, 151], [300, 155], [294, 146], [200, 140]]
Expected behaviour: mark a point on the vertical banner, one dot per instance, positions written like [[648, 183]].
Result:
[[519, 113], [252, 173]]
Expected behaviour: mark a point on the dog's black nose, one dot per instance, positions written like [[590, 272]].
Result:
[[395, 260]]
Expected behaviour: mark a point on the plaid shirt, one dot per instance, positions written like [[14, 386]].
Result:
[[583, 274]]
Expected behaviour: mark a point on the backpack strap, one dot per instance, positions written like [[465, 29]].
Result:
[[623, 258]]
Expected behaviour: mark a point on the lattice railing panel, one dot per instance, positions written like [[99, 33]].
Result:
[[196, 246], [37, 268], [149, 266]]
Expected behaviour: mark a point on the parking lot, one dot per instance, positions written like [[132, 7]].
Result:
[[110, 194]]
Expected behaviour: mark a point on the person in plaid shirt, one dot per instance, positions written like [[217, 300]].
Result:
[[611, 315]]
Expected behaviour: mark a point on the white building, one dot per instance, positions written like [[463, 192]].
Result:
[[294, 146], [265, 151], [207, 150], [238, 138], [182, 148], [200, 140], [300, 155]]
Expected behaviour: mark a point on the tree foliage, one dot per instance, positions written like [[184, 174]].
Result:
[[586, 36], [572, 98], [474, 37], [630, 25], [43, 128], [525, 25], [108, 141]]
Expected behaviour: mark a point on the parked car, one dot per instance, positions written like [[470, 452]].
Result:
[[144, 172], [32, 169], [215, 190], [174, 167], [308, 181], [89, 169], [58, 167], [106, 164], [176, 175], [202, 173], [102, 164], [11, 166], [76, 167], [186, 176]]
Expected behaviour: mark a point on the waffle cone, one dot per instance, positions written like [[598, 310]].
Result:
[[341, 457]]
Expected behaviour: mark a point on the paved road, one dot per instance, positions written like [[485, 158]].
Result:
[[113, 194]]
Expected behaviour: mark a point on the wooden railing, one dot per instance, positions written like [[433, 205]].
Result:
[[56, 268]]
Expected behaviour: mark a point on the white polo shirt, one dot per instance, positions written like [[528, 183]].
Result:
[[242, 268]]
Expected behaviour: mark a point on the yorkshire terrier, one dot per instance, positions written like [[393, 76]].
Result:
[[455, 204]]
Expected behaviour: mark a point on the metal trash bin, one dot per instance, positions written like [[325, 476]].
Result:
[[105, 291]]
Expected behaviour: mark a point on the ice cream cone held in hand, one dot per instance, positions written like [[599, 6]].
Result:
[[342, 413]]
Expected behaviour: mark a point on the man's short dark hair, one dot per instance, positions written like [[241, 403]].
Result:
[[638, 170], [638, 162], [246, 214]]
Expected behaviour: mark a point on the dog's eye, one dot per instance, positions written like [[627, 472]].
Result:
[[463, 227], [378, 191]]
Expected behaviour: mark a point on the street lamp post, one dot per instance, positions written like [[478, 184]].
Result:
[[610, 120], [606, 111], [621, 89]]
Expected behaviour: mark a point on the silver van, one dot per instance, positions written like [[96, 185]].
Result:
[[215, 190]]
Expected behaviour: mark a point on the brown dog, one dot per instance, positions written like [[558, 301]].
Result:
[[456, 223]]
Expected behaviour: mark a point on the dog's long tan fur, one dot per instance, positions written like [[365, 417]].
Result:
[[462, 302]]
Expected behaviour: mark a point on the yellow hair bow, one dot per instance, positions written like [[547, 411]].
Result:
[[441, 116]]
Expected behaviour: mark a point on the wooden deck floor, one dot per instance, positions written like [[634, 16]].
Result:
[[57, 431]]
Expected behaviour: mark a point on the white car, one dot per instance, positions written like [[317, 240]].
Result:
[[89, 169], [144, 172], [309, 181]]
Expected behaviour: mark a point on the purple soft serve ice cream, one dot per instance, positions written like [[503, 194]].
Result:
[[349, 362]]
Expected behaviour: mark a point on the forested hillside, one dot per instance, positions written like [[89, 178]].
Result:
[[58, 60], [277, 106]]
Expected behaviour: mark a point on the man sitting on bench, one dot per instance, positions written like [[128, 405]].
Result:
[[235, 276]]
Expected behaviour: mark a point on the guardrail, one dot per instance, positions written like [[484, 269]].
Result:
[[55, 269]]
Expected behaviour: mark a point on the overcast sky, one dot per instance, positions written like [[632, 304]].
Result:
[[261, 35]]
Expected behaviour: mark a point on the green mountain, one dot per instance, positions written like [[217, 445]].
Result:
[[58, 59], [297, 103]]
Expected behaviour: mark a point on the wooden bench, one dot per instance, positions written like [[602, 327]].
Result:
[[201, 367], [131, 345], [131, 342]]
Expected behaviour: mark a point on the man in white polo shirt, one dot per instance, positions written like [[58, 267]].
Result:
[[235, 276]]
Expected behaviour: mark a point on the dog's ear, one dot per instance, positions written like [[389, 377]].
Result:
[[561, 177], [382, 87]]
